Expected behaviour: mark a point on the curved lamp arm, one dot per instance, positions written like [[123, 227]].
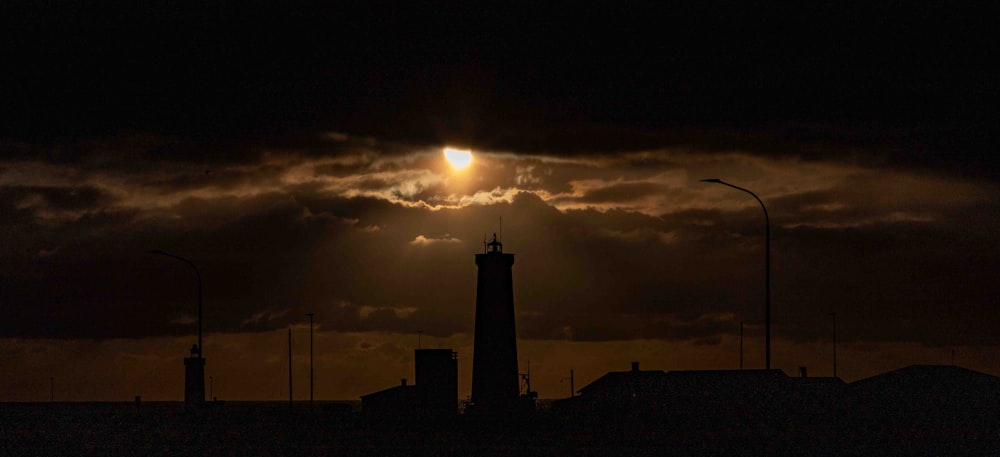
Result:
[[767, 269], [198, 275]]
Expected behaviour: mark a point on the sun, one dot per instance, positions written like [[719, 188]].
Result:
[[457, 158]]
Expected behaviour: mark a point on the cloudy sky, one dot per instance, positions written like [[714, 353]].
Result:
[[296, 156]]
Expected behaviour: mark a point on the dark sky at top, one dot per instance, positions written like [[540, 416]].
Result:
[[528, 77], [870, 130]]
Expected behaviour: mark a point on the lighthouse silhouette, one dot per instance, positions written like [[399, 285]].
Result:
[[494, 359]]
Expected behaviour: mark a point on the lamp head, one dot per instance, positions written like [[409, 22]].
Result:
[[715, 180]]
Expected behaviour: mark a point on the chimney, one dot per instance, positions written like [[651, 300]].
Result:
[[403, 382], [803, 372], [635, 366]]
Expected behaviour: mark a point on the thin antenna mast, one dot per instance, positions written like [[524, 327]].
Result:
[[834, 314], [290, 406], [501, 229], [527, 380]]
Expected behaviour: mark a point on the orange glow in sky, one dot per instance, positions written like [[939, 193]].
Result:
[[458, 159]]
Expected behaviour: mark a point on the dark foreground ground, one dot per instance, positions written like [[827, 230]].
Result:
[[269, 429]]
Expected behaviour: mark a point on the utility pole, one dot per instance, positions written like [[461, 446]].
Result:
[[741, 345], [526, 377], [310, 361], [572, 390], [290, 407], [52, 389], [834, 344]]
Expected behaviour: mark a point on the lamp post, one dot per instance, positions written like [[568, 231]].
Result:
[[198, 275], [767, 270], [194, 366], [310, 361]]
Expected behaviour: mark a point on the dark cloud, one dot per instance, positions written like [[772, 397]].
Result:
[[912, 278], [276, 239], [624, 192], [211, 84], [34, 199]]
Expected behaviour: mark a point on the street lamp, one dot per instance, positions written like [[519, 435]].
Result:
[[767, 270], [194, 366], [198, 275]]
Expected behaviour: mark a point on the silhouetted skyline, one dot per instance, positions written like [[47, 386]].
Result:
[[296, 157]]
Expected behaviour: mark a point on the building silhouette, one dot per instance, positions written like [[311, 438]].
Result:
[[704, 398], [616, 393], [435, 395], [922, 395], [437, 380], [495, 387]]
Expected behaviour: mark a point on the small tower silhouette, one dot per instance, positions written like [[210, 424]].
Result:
[[194, 379], [494, 358]]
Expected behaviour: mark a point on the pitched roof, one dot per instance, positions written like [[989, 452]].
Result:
[[397, 392], [631, 381], [725, 382], [681, 380], [922, 377], [726, 375]]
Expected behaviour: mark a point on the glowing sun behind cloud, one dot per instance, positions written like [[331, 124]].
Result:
[[458, 159]]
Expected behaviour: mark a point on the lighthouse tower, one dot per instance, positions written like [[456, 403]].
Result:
[[494, 360]]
